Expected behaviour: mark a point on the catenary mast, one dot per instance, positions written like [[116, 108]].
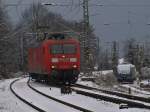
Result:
[[85, 37]]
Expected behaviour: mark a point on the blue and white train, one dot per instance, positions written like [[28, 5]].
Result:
[[126, 73]]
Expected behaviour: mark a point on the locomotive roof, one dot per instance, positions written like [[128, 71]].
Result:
[[56, 37], [61, 35], [126, 65], [72, 40]]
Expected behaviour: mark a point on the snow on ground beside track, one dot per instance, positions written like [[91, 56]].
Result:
[[136, 90], [121, 88], [9, 102], [88, 83], [95, 73], [84, 101], [112, 96], [105, 72], [39, 100]]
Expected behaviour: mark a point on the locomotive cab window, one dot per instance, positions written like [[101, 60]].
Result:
[[56, 49], [63, 49], [69, 49]]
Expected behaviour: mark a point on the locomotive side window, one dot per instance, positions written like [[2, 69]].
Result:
[[56, 49], [69, 49]]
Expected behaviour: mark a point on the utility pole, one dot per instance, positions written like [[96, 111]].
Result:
[[98, 54], [86, 41], [114, 57], [140, 57]]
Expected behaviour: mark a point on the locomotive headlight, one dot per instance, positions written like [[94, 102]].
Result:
[[53, 67], [74, 66], [73, 59], [54, 60]]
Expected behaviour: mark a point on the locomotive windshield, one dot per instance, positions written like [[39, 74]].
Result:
[[63, 49], [56, 49], [69, 49]]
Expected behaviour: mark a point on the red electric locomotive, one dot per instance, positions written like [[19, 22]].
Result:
[[56, 58]]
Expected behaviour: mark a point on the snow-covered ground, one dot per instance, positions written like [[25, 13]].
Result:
[[136, 91], [88, 83], [9, 102], [76, 99], [39, 100], [119, 88], [84, 101], [101, 79], [104, 72], [112, 96]]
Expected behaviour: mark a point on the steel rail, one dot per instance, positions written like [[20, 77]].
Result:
[[22, 99], [128, 96], [60, 101], [114, 99]]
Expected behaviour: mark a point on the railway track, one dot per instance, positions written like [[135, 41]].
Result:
[[115, 98], [78, 108], [136, 90], [74, 98], [112, 96], [60, 101], [22, 99], [86, 92], [120, 94]]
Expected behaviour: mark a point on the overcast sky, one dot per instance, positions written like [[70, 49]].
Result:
[[116, 20]]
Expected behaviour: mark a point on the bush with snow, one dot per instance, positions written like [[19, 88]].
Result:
[[106, 80]]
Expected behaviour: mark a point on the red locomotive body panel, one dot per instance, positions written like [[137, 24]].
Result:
[[58, 58]]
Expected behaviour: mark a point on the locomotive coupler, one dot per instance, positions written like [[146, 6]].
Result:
[[66, 89]]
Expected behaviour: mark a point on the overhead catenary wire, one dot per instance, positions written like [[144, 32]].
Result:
[[75, 10]]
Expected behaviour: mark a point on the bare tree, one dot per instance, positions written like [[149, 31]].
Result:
[[5, 44]]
